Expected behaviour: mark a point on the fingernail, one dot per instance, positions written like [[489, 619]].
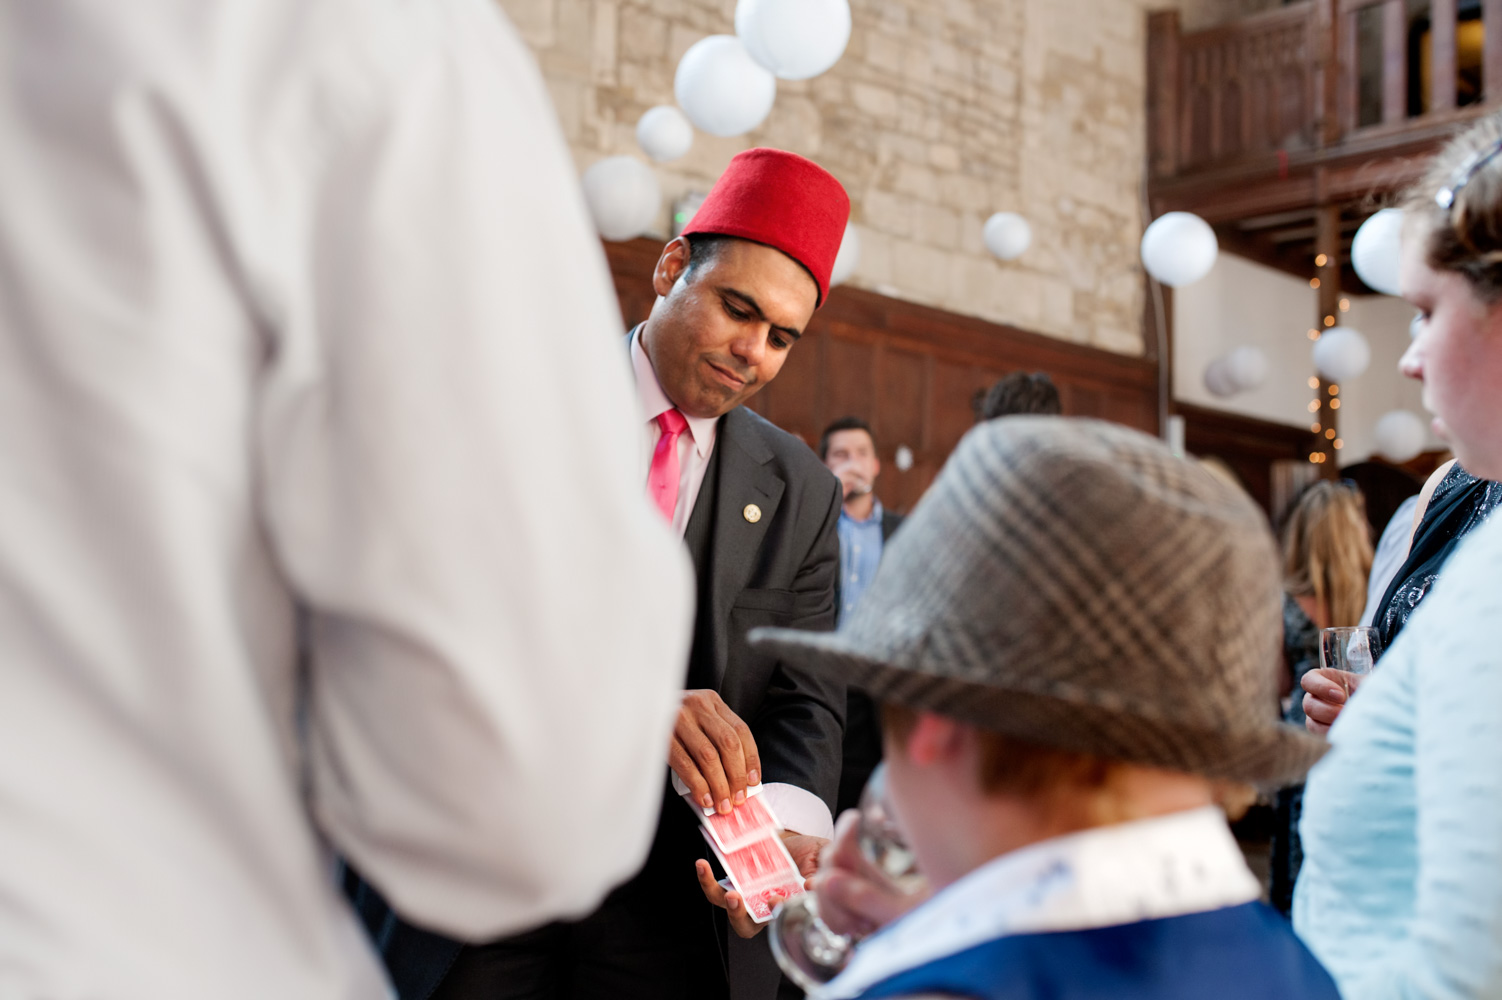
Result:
[[753, 778], [740, 797], [724, 805], [708, 801], [733, 903]]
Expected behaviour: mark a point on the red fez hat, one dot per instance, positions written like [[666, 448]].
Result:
[[783, 200]]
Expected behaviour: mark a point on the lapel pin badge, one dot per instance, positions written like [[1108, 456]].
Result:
[[752, 513]]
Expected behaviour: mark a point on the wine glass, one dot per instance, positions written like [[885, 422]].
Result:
[[1351, 652], [809, 952]]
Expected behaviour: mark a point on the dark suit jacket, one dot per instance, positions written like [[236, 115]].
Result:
[[781, 570], [779, 567], [862, 749]]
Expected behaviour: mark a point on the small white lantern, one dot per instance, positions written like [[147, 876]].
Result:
[[904, 458], [1400, 436], [1179, 248], [1376, 250], [849, 257], [1218, 379], [794, 39], [664, 134], [623, 197], [721, 88], [1247, 367], [1007, 235], [1341, 354]]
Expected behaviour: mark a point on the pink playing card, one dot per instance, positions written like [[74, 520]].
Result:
[[748, 822], [759, 870]]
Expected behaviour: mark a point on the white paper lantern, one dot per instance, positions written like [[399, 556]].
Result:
[[721, 88], [1400, 435], [1247, 367], [1376, 250], [849, 257], [1179, 248], [904, 458], [1007, 235], [664, 134], [1341, 354], [1218, 379], [794, 39], [623, 197]]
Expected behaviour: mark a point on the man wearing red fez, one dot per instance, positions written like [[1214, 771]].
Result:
[[758, 512]]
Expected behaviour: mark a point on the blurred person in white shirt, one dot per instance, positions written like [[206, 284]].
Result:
[[302, 323]]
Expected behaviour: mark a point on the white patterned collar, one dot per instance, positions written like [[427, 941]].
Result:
[[1186, 862]]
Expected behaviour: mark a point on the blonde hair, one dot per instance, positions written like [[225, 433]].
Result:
[[1466, 237], [1327, 551]]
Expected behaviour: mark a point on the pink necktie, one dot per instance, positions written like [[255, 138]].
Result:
[[662, 478]]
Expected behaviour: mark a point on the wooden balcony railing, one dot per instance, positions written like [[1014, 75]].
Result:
[[1314, 75]]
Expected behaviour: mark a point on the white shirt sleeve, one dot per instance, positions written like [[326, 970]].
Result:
[[800, 810], [449, 445]]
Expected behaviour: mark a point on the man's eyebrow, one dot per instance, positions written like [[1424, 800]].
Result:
[[751, 304]]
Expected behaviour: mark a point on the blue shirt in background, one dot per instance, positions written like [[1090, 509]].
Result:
[[860, 552]]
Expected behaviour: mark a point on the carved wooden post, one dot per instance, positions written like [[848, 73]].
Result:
[[1395, 60], [1163, 91], [1327, 94], [1441, 55], [1327, 245], [1491, 64]]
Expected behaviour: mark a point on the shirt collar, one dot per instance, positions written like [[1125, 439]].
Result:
[[1168, 866], [655, 402], [875, 517]]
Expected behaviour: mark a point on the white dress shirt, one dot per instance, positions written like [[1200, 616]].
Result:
[[300, 308], [796, 808], [1168, 866]]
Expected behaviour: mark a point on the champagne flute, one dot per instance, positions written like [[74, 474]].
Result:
[[809, 952], [1350, 652]]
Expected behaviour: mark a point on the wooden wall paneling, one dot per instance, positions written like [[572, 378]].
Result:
[[903, 391], [954, 386], [850, 374]]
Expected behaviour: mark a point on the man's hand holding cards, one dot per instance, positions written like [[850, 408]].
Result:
[[752, 849], [716, 770]]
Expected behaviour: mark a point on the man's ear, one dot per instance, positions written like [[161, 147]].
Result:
[[935, 739], [670, 266]]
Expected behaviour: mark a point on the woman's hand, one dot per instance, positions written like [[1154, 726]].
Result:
[[1325, 696], [855, 898]]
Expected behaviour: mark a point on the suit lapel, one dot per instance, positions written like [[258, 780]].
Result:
[[745, 479]]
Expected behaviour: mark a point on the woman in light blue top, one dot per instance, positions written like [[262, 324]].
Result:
[[1401, 890]]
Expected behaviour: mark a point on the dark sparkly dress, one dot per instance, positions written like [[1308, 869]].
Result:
[[1460, 503]]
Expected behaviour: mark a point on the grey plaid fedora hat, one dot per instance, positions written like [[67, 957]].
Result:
[[1073, 584]]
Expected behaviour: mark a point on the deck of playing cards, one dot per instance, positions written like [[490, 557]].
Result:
[[747, 842]]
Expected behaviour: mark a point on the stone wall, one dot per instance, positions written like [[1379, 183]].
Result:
[[940, 113]]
